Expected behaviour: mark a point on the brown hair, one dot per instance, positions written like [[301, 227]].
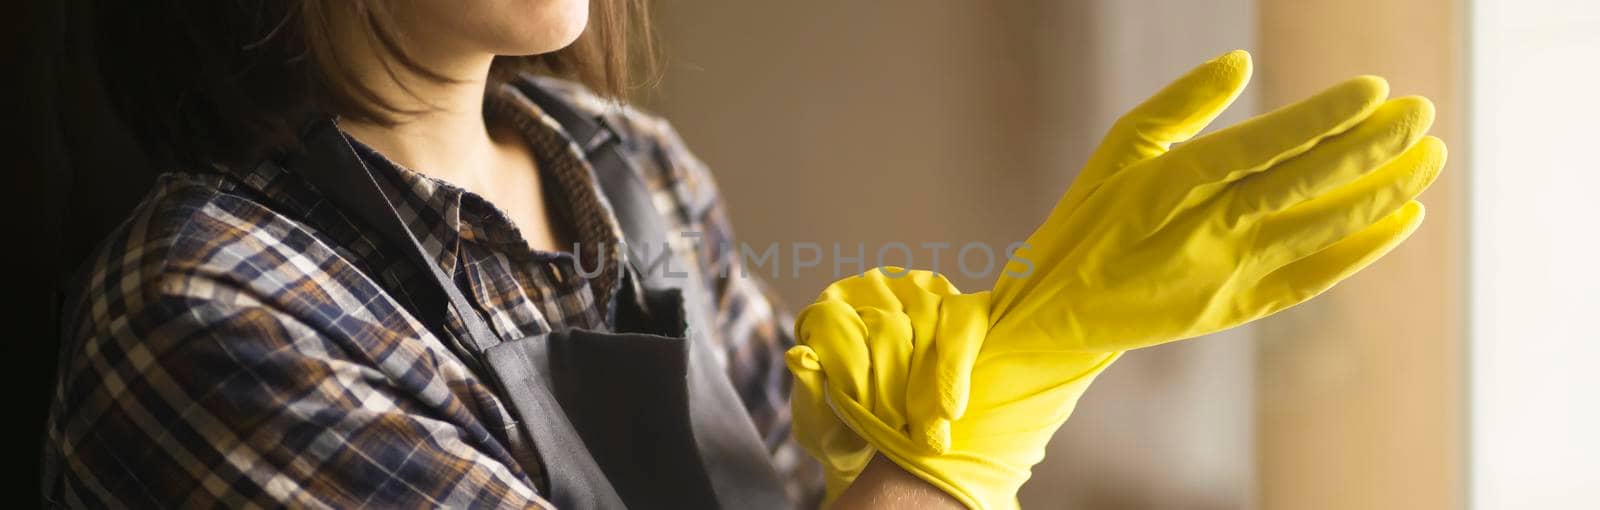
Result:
[[230, 81]]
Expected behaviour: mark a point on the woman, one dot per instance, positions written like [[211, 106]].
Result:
[[240, 339], [355, 287]]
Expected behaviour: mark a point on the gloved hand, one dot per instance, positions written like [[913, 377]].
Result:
[[1147, 246]]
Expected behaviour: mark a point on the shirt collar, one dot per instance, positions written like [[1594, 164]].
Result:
[[430, 207], [569, 178], [442, 215]]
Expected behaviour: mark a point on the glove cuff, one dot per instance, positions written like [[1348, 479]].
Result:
[[975, 481]]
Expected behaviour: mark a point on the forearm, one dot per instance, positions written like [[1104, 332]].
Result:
[[885, 485]]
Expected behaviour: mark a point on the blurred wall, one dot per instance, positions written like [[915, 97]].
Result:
[[1362, 396], [961, 121]]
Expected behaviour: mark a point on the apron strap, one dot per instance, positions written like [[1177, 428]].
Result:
[[519, 367], [731, 448], [328, 163]]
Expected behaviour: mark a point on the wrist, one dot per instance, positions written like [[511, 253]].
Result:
[[884, 484]]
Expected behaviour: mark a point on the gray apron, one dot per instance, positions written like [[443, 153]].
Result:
[[641, 418]]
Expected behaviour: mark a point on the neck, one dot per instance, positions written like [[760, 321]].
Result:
[[442, 132]]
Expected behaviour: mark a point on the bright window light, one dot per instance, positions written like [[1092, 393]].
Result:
[[1535, 271]]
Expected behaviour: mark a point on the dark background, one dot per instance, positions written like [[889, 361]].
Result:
[[62, 137]]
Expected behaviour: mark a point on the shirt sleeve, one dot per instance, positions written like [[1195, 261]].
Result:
[[754, 327], [758, 331], [206, 397]]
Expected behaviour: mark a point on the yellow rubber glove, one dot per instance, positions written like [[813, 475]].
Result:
[[1147, 246]]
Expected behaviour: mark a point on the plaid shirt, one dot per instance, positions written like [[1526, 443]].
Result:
[[239, 341]]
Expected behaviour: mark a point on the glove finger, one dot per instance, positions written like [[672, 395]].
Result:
[[943, 389], [900, 315], [872, 289], [1395, 127], [1195, 172], [1308, 277], [915, 293], [926, 282], [918, 295], [836, 334], [1174, 114], [1316, 224], [889, 342], [816, 426], [963, 322]]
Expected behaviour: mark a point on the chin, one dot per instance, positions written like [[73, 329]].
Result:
[[537, 26], [501, 27]]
